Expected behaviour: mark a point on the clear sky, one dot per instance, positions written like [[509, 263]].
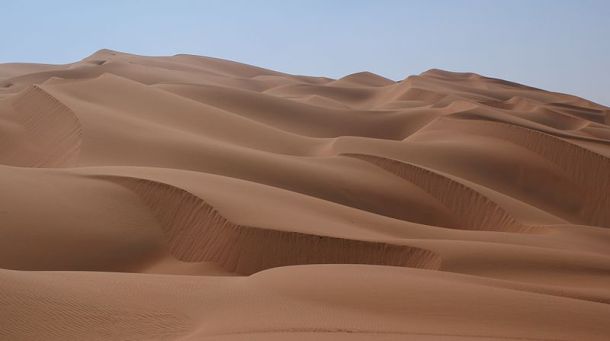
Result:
[[553, 44]]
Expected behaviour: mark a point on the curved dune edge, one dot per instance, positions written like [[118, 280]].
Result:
[[197, 232], [584, 167], [51, 129], [523, 104], [475, 211]]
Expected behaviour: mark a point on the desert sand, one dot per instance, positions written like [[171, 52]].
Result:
[[194, 198]]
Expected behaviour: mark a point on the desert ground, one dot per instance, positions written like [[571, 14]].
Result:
[[194, 198]]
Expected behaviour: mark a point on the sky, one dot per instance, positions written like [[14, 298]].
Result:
[[557, 45]]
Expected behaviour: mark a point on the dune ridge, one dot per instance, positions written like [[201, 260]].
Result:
[[50, 129], [585, 167], [197, 232], [475, 210], [194, 198]]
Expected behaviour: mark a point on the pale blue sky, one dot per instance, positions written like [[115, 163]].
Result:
[[553, 44]]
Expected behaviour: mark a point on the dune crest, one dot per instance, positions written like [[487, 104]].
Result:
[[197, 232], [49, 134], [474, 210]]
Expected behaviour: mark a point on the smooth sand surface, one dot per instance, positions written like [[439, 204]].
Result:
[[193, 198]]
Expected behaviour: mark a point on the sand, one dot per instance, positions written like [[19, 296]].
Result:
[[193, 198]]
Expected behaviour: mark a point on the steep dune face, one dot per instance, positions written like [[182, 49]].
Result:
[[476, 211], [197, 232], [46, 133], [443, 206]]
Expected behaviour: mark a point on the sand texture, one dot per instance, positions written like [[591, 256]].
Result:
[[194, 198]]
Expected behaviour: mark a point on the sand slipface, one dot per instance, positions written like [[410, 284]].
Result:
[[194, 198]]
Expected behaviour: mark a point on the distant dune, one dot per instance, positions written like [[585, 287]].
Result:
[[193, 198]]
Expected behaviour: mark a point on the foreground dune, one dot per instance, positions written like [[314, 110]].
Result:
[[194, 198]]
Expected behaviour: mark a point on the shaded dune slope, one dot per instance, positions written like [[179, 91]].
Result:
[[474, 210], [588, 169], [197, 232], [48, 133]]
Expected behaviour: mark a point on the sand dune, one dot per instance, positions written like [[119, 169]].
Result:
[[196, 198], [197, 232]]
